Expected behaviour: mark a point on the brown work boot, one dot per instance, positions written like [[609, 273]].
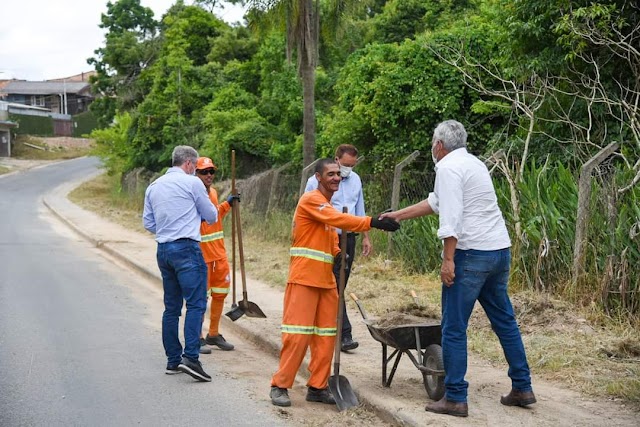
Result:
[[443, 406], [518, 398]]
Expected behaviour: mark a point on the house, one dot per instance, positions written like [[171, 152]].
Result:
[[63, 97], [5, 131]]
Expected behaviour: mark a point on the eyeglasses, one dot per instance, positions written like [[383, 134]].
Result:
[[207, 172]]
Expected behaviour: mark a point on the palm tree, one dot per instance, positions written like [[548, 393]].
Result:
[[301, 20]]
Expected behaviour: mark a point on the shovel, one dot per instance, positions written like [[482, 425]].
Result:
[[250, 309], [236, 312], [338, 384]]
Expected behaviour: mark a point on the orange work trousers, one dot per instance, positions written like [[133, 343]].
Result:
[[308, 321], [218, 287]]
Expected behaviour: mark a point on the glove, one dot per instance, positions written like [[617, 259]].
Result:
[[233, 197], [386, 224]]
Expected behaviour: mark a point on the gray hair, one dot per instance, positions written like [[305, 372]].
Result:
[[452, 135], [182, 153]]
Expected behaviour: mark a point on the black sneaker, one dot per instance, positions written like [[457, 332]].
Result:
[[203, 347], [320, 395], [279, 396], [194, 369], [349, 344], [172, 370], [219, 341]]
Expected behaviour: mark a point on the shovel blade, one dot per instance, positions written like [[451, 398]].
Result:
[[235, 313], [342, 392], [251, 309]]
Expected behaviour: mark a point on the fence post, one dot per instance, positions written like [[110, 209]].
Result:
[[582, 215], [395, 192], [305, 175], [274, 187]]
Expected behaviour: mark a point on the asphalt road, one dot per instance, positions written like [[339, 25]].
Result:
[[79, 343]]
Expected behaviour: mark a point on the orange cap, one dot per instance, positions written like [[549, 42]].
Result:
[[205, 163]]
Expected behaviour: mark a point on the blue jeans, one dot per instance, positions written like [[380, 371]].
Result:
[[184, 276], [482, 276]]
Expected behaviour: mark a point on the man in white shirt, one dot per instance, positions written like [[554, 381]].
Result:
[[475, 266]]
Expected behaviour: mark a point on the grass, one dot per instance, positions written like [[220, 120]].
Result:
[[581, 348]]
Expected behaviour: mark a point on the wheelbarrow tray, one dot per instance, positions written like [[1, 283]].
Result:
[[425, 339], [403, 337]]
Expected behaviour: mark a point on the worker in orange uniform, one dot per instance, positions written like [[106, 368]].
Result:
[[310, 299], [215, 256]]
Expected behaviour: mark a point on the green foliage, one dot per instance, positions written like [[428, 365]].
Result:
[[392, 97], [112, 144], [130, 47], [382, 85], [243, 130], [406, 19], [32, 125], [83, 124]]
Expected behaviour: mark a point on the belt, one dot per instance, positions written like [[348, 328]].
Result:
[[184, 239], [350, 234]]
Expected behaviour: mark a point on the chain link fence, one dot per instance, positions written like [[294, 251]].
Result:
[[276, 192]]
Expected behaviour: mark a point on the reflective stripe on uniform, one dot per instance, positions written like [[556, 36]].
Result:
[[308, 330], [218, 291], [325, 332], [312, 254], [211, 237]]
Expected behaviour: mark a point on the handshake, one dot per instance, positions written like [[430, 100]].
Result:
[[386, 224]]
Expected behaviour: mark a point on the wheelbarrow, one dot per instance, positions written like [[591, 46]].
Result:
[[422, 339]]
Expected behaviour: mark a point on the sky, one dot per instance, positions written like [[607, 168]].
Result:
[[49, 39]]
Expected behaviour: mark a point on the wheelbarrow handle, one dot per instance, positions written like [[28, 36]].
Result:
[[363, 312]]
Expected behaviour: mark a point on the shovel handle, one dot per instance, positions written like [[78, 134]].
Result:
[[233, 226], [341, 283]]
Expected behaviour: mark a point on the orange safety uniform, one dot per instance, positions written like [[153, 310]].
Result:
[[215, 256], [310, 299]]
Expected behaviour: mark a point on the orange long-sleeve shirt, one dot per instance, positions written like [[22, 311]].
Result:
[[315, 241], [212, 243]]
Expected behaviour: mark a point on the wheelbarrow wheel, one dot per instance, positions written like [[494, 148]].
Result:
[[434, 384]]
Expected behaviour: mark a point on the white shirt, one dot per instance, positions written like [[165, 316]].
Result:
[[465, 200]]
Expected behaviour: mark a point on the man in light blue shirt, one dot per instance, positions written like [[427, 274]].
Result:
[[174, 206], [349, 194]]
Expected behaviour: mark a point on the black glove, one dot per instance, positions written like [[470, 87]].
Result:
[[386, 224], [233, 197]]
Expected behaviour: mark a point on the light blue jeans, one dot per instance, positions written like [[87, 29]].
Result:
[[481, 276], [184, 276]]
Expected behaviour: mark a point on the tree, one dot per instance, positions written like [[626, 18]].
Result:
[[301, 19], [130, 48]]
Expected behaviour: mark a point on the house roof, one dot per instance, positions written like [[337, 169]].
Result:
[[43, 88]]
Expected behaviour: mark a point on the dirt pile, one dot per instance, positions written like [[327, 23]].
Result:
[[394, 319]]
